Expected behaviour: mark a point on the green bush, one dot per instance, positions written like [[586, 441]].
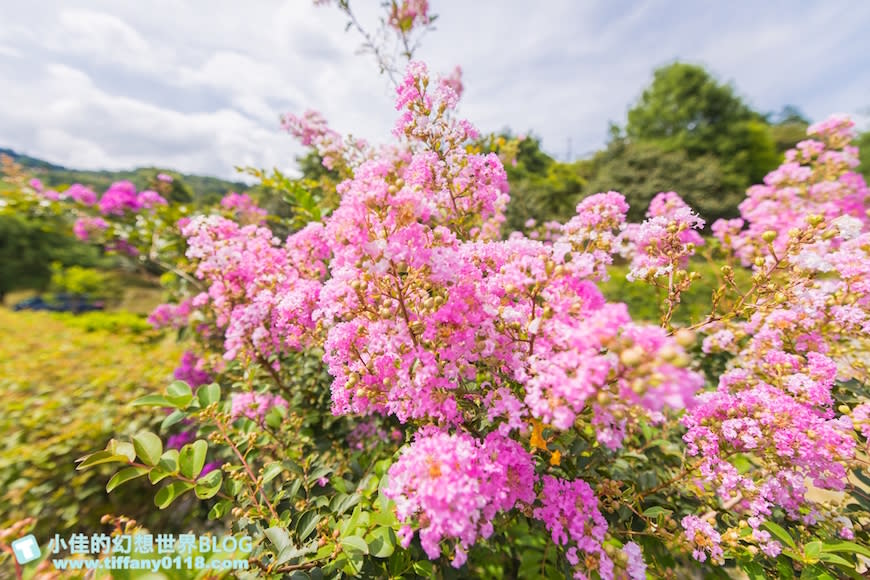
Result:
[[88, 281], [125, 323]]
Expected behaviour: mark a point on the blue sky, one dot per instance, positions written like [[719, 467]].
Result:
[[199, 85]]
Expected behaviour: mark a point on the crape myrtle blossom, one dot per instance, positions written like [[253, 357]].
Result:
[[453, 485], [191, 371], [775, 401], [85, 227], [406, 14], [81, 194], [424, 313], [665, 241], [262, 293], [245, 208], [816, 179], [569, 510], [312, 130], [121, 197]]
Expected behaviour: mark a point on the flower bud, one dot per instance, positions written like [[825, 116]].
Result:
[[685, 337], [631, 356]]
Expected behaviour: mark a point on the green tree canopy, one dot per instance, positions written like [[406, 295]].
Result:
[[687, 109], [641, 170]]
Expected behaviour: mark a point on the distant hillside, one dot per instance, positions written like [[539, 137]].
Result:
[[204, 189]]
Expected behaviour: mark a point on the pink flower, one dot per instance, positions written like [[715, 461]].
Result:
[[84, 227], [569, 510], [81, 194], [119, 198], [149, 199], [190, 371], [705, 539], [453, 486], [635, 567]]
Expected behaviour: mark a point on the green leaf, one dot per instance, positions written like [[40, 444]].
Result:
[[179, 394], [272, 471], [815, 573], [122, 448], [424, 568], [835, 559], [382, 542], [148, 447], [170, 493], [355, 544], [307, 524], [812, 551], [656, 511], [781, 534], [124, 476], [209, 485], [152, 401], [191, 459], [844, 546], [208, 394], [101, 457], [384, 518], [753, 571], [174, 417], [279, 537], [220, 509]]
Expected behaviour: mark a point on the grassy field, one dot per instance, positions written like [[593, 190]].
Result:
[[66, 390]]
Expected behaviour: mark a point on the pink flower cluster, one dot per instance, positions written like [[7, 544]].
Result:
[[705, 540], [817, 178], [171, 315], [191, 371], [245, 208], [453, 485], [81, 194], [776, 401], [121, 197], [312, 130], [262, 294], [84, 227], [665, 241], [569, 510]]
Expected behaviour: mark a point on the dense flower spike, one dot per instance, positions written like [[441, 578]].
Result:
[[775, 402], [569, 510], [120, 198], [84, 227], [665, 241], [816, 179], [452, 486]]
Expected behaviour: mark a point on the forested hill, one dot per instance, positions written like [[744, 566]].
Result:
[[205, 189]]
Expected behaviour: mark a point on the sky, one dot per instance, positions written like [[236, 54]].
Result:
[[198, 86]]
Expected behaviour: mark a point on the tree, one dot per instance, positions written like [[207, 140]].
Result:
[[863, 143], [789, 127], [687, 109], [641, 170]]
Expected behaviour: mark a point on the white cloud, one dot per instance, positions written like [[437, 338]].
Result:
[[199, 85]]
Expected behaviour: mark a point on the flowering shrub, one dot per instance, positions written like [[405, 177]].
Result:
[[399, 382]]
